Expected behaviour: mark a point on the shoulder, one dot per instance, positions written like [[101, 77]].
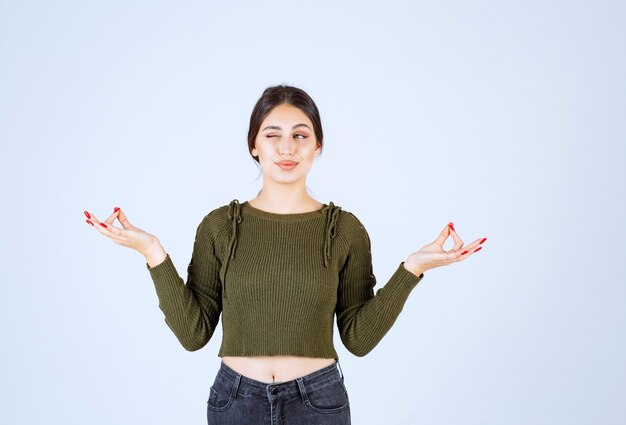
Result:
[[350, 220], [346, 217], [216, 220], [351, 226]]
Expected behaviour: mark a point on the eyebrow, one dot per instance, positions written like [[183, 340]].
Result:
[[275, 127]]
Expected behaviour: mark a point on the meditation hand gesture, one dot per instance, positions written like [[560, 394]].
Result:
[[433, 255], [129, 235]]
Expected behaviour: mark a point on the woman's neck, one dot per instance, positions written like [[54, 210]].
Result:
[[285, 203]]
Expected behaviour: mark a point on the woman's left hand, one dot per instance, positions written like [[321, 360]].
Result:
[[433, 255]]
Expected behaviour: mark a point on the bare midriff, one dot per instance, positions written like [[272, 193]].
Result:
[[273, 369]]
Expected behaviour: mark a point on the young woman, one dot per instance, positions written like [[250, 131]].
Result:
[[278, 269]]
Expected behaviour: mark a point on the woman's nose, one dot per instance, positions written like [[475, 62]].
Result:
[[286, 146]]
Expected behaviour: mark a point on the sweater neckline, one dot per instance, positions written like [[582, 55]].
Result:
[[247, 208]]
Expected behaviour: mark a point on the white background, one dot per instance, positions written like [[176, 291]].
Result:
[[505, 117]]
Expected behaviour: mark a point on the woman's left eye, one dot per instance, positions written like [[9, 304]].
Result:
[[303, 136]]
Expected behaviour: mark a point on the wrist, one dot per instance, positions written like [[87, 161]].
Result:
[[155, 254], [415, 270]]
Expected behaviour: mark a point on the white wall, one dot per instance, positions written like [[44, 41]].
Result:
[[506, 118]]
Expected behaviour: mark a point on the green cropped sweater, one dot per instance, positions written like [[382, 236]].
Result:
[[278, 280]]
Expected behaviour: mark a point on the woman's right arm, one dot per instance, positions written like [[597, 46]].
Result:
[[191, 310]]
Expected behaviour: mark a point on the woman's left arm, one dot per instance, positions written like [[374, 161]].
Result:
[[364, 318]]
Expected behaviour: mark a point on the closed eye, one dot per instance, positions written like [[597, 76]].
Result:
[[274, 135]]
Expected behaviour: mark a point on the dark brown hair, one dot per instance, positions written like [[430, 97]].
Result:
[[279, 95]]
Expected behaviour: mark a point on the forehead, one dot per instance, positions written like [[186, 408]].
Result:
[[286, 116]]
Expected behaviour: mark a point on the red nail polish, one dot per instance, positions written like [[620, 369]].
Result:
[[87, 214], [115, 209], [451, 226], [103, 225], [484, 239], [464, 252], [89, 222], [478, 249]]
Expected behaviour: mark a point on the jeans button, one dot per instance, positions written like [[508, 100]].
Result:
[[273, 390]]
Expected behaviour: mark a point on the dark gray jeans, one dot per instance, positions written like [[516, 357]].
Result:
[[318, 398]]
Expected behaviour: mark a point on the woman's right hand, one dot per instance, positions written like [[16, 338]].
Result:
[[129, 236]]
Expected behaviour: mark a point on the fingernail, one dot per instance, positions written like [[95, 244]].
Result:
[[464, 252], [103, 225], [89, 222], [478, 249], [87, 214], [115, 209], [451, 224], [484, 239]]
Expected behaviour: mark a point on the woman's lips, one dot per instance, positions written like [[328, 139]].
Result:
[[287, 165]]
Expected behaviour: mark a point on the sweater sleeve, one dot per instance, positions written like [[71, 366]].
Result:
[[191, 310], [363, 318]]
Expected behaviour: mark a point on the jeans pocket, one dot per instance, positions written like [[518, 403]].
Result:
[[330, 398], [220, 396]]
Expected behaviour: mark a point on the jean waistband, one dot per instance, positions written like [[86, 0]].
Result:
[[244, 385]]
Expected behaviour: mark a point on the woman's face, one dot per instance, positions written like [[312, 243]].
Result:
[[286, 134]]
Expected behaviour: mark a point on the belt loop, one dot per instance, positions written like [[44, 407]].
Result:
[[305, 397], [236, 386], [339, 366]]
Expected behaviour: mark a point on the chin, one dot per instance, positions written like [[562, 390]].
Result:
[[287, 180], [292, 178]]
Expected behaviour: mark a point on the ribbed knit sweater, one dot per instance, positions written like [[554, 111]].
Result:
[[278, 280]]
